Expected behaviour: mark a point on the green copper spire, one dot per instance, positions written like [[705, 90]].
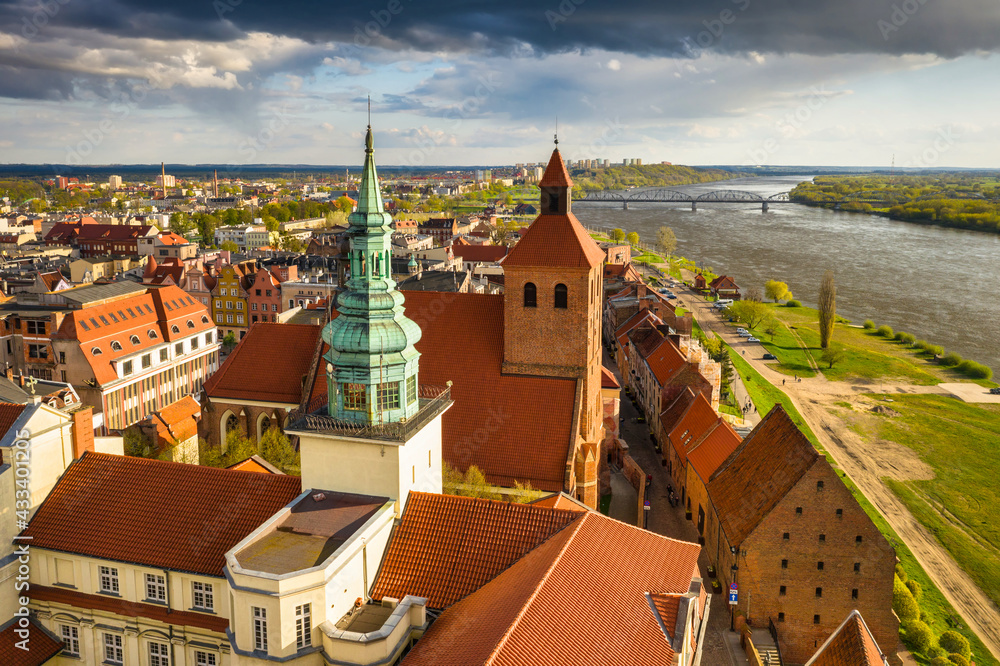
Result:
[[372, 362]]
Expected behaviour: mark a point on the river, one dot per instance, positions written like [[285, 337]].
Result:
[[933, 282]]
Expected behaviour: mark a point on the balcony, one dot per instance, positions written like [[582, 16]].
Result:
[[375, 633]]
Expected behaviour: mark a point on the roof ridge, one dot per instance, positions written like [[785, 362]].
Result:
[[576, 524]]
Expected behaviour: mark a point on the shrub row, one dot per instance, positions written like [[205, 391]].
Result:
[[950, 360], [952, 648]]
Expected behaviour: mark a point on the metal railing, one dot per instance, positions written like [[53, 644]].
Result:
[[433, 401], [774, 636]]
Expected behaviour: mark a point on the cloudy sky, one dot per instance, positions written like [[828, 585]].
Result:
[[833, 82]]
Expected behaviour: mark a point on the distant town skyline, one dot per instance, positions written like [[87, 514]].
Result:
[[739, 82]]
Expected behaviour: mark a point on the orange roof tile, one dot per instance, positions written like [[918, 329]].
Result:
[[555, 173], [561, 501], [852, 644], [446, 547], [480, 253], [713, 449], [608, 379], [554, 606], [9, 414], [693, 424], [43, 645], [123, 608], [622, 333], [667, 606], [154, 513], [256, 464], [555, 241], [269, 364], [666, 361], [759, 473], [177, 422]]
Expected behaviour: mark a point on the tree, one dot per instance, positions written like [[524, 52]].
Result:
[[752, 294], [827, 309], [833, 355], [277, 449], [632, 238], [471, 484], [776, 290], [955, 643], [229, 341], [751, 313], [666, 240], [136, 444], [903, 602], [617, 235], [501, 232], [344, 204], [229, 246], [771, 327]]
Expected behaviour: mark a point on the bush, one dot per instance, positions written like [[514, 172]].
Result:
[[951, 359], [955, 643], [793, 303], [904, 604], [868, 325], [922, 345], [919, 636], [901, 572], [942, 661], [915, 589], [906, 338], [974, 370], [936, 651], [958, 660], [935, 350], [886, 332]]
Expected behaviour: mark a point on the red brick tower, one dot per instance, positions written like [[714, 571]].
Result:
[[552, 304]]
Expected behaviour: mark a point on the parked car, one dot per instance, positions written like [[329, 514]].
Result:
[[995, 391], [744, 334], [741, 330], [752, 339], [770, 357]]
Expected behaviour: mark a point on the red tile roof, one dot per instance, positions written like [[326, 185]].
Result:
[[555, 173], [579, 598], [480, 253], [608, 379], [713, 449], [622, 333], [759, 473], [446, 547], [177, 422], [123, 608], [852, 644], [693, 424], [42, 645], [558, 241], [268, 365], [50, 279], [9, 413], [154, 513], [255, 464], [665, 361], [561, 501]]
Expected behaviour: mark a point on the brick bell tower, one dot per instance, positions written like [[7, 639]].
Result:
[[552, 312]]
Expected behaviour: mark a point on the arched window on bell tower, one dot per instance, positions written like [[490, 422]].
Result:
[[562, 296], [530, 295]]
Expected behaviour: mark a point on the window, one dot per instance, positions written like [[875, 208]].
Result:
[[388, 396], [411, 389], [229, 305], [208, 338], [259, 628], [218, 305], [303, 626], [257, 292], [229, 319], [562, 296], [822, 538], [130, 312], [84, 324], [785, 536], [530, 295], [194, 343], [113, 317], [156, 587], [190, 324], [152, 334], [147, 360], [71, 640], [781, 617], [354, 396], [819, 566], [274, 307], [95, 351], [38, 351], [179, 348], [854, 593], [204, 319], [116, 346], [784, 564], [127, 368], [782, 590], [815, 619], [113, 652], [254, 319], [159, 654], [204, 659], [819, 485], [174, 329], [798, 510], [239, 319], [134, 340], [858, 539], [164, 354], [819, 592], [104, 320], [38, 327], [857, 567], [268, 293], [218, 317], [840, 513], [202, 595], [253, 306]]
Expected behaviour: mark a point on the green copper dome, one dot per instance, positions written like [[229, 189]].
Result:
[[372, 361]]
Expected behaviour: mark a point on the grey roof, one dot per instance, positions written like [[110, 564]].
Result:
[[433, 281], [81, 296]]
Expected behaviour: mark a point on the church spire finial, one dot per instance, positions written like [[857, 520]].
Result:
[[369, 141], [557, 132]]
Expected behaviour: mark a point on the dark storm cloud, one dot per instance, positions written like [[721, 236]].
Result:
[[646, 27]]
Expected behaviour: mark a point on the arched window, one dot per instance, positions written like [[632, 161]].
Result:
[[135, 340], [561, 296], [151, 333], [96, 351], [204, 319], [230, 423], [190, 324], [174, 329], [530, 295], [263, 425], [116, 346]]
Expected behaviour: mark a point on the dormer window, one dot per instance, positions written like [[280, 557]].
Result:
[[135, 340], [174, 329], [204, 319], [190, 324], [96, 351], [530, 295], [152, 334], [116, 346]]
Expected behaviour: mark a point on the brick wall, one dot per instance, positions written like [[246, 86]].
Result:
[[210, 426]]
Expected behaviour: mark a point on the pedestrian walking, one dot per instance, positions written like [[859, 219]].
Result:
[[782, 382]]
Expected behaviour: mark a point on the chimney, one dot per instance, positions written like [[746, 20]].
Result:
[[10, 373], [83, 432]]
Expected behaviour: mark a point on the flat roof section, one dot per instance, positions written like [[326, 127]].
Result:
[[317, 526]]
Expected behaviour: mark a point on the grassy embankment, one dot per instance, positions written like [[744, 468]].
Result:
[[938, 613]]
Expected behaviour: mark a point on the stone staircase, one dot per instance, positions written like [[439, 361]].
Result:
[[766, 648]]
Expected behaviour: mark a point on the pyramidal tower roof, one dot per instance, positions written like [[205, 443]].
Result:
[[556, 238]]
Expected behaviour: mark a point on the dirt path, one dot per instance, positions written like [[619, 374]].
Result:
[[866, 463]]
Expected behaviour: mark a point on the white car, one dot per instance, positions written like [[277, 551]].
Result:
[[752, 339], [741, 330], [744, 334]]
